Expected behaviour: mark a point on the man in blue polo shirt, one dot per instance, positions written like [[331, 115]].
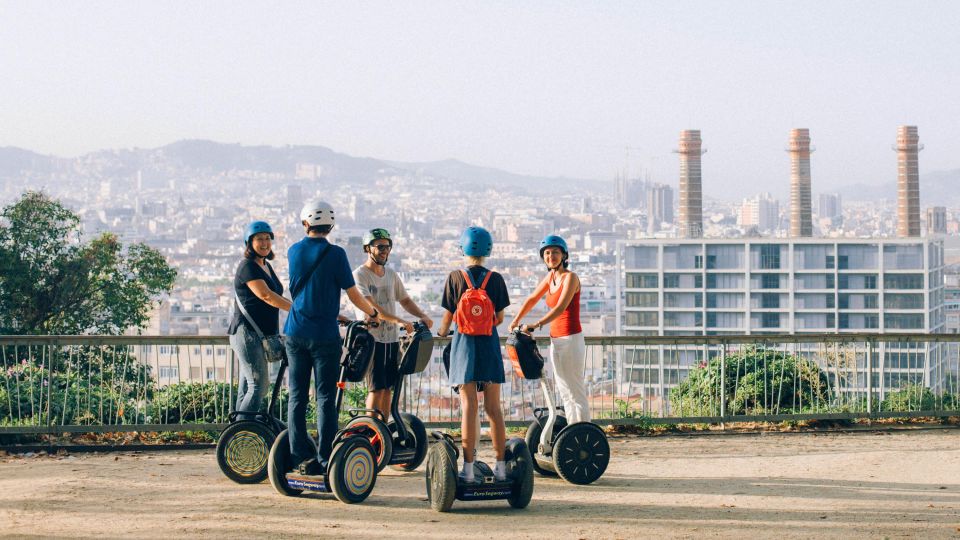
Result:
[[318, 272]]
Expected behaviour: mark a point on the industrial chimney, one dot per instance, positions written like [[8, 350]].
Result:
[[691, 194], [908, 181], [801, 220]]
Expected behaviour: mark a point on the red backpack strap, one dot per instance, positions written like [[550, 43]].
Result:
[[468, 279], [485, 280]]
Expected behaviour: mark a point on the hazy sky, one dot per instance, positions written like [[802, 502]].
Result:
[[547, 88]]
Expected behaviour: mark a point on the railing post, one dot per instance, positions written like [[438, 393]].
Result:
[[869, 377], [723, 382]]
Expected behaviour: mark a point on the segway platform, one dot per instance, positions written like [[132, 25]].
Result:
[[307, 482], [444, 485]]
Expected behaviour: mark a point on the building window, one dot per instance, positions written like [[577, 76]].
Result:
[[642, 299], [169, 372], [830, 261], [903, 301], [770, 257], [671, 281], [903, 321], [642, 281], [903, 281], [641, 318], [770, 301], [770, 320], [770, 281]]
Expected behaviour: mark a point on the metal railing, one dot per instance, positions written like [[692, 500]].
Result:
[[59, 384]]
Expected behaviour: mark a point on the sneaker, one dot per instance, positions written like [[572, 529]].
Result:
[[500, 471], [468, 474], [312, 467]]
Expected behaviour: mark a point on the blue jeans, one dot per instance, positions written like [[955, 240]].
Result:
[[254, 380], [322, 358]]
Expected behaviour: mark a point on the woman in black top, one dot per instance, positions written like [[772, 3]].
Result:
[[259, 290]]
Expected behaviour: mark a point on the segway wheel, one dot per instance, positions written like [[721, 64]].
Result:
[[533, 440], [353, 470], [243, 451], [281, 462], [582, 453], [418, 433], [377, 433], [441, 477], [519, 454]]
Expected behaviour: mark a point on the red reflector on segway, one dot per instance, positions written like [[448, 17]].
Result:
[[341, 385]]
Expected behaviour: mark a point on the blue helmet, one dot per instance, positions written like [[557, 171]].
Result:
[[476, 242], [553, 240], [256, 227]]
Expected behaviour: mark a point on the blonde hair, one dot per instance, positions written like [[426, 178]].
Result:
[[478, 261]]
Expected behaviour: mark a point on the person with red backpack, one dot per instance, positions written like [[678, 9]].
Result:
[[474, 299]]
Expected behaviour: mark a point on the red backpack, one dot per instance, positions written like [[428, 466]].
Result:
[[475, 313]]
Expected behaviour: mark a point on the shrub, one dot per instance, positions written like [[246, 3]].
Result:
[[755, 381]]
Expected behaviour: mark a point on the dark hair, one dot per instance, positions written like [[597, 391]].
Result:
[[322, 229], [249, 253]]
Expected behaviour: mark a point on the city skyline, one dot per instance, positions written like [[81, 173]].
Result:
[[544, 90]]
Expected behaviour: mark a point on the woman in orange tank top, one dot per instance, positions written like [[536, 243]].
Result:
[[567, 348]]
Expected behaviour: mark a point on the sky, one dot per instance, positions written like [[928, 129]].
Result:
[[577, 89]]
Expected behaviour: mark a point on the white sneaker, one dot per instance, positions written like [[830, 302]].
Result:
[[467, 472], [500, 471]]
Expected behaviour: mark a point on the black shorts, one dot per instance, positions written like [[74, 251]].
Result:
[[384, 367]]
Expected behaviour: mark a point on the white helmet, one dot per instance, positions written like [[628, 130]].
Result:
[[317, 212]]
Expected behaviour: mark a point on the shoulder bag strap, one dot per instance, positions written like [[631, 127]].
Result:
[[308, 275], [247, 315]]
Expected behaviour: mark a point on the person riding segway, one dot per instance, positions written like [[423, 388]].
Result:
[[352, 471], [320, 271], [555, 444], [475, 298], [243, 446], [383, 288]]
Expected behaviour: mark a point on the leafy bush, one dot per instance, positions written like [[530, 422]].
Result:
[[755, 381], [916, 397], [188, 402]]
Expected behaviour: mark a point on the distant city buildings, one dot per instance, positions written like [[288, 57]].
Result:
[[760, 213]]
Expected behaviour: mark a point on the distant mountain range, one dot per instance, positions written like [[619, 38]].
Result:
[[938, 188], [202, 156], [188, 157]]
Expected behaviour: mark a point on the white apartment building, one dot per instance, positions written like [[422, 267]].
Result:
[[784, 286]]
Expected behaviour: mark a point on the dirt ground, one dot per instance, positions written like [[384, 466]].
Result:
[[783, 485]]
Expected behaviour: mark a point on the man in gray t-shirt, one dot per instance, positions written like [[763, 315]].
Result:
[[381, 286]]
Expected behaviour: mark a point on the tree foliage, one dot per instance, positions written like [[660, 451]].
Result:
[[51, 282], [755, 381]]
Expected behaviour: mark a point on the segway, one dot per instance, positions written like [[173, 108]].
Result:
[[244, 445], [352, 470], [578, 452], [402, 442], [444, 485]]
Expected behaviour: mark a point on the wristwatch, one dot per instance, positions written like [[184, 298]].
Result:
[[375, 313]]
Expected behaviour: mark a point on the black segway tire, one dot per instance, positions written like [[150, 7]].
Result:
[[352, 470], [418, 432], [441, 477], [377, 433], [532, 439], [243, 451], [280, 463], [582, 453], [518, 453]]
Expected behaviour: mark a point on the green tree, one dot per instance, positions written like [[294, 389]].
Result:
[[51, 282]]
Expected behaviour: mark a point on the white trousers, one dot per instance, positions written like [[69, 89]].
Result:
[[567, 355]]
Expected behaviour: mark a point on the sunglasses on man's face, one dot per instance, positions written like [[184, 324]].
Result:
[[385, 247]]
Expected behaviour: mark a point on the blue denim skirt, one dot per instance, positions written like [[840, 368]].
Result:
[[476, 359]]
